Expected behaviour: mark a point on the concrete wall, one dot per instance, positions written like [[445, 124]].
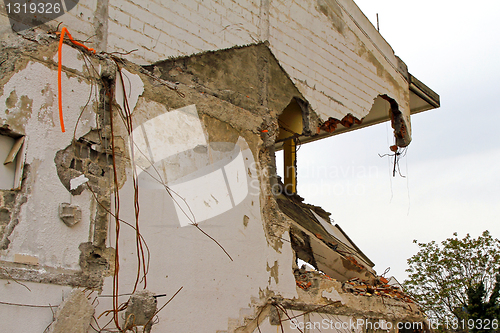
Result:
[[212, 168], [31, 110], [208, 151]]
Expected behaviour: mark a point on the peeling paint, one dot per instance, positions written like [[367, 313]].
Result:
[[11, 101], [273, 272]]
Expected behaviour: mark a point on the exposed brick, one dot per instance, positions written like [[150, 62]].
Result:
[[4, 216], [119, 16], [95, 169], [9, 198], [136, 24]]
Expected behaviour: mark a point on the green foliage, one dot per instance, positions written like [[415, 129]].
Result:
[[479, 309], [441, 275]]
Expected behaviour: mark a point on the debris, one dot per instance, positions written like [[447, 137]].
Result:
[[140, 310], [354, 261], [380, 288], [70, 214], [304, 285], [331, 124], [73, 315]]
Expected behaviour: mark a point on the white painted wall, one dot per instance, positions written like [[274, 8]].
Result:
[[334, 71], [216, 186], [40, 233], [215, 288], [325, 66], [22, 310]]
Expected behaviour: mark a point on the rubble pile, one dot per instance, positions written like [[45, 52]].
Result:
[[306, 279], [381, 288]]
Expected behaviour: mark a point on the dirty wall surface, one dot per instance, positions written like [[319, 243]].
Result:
[[351, 64]]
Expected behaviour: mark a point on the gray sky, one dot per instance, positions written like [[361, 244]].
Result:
[[452, 166]]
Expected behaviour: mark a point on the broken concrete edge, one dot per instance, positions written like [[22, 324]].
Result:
[[74, 314], [141, 309], [399, 123], [274, 304], [375, 308], [330, 125], [258, 101], [336, 308], [49, 275], [312, 122], [305, 229], [12, 202]]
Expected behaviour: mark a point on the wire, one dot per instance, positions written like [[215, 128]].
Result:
[[117, 220], [15, 280], [29, 305], [139, 246]]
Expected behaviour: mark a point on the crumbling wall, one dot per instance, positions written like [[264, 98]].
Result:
[[351, 63], [187, 163], [32, 76], [44, 225], [61, 233], [223, 134], [326, 305]]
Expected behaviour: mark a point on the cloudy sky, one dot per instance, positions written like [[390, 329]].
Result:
[[452, 174]]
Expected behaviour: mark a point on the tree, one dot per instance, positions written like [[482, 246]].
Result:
[[441, 277], [479, 309]]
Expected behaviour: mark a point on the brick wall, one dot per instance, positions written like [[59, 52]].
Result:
[[331, 51], [333, 63], [162, 29]]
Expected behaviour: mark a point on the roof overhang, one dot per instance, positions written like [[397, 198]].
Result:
[[422, 98]]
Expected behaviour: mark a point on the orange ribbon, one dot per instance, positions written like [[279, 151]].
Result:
[[59, 70]]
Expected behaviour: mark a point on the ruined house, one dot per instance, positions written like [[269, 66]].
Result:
[[138, 181]]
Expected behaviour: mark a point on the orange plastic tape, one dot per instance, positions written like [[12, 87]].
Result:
[[59, 70]]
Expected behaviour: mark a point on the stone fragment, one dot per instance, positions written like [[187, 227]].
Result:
[[70, 214], [73, 315], [140, 310]]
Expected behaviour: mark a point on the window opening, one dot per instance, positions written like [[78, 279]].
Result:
[[12, 155]]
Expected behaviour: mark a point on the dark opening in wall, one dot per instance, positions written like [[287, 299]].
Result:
[[12, 156], [291, 127]]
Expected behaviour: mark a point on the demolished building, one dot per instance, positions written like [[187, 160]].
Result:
[[138, 180]]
